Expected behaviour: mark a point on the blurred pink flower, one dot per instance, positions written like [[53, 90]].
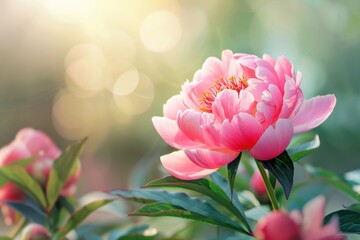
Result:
[[31, 143], [277, 225], [257, 184], [34, 232], [241, 102], [294, 225]]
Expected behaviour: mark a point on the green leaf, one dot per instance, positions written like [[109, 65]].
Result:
[[196, 205], [223, 184], [61, 170], [99, 229], [82, 213], [282, 168], [24, 180], [5, 238], [349, 221], [354, 207], [257, 213], [22, 162], [232, 170], [169, 210], [129, 231], [30, 211], [335, 180], [203, 186], [302, 145], [66, 204]]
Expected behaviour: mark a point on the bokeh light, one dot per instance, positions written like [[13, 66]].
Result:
[[85, 68], [139, 100], [126, 83], [73, 117], [69, 11], [160, 31]]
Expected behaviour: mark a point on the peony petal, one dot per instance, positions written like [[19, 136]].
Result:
[[313, 215], [180, 166], [269, 59], [212, 69], [172, 135], [241, 133], [290, 98], [313, 112], [173, 106], [257, 87], [189, 123], [266, 72], [37, 142], [226, 105], [266, 111], [210, 131], [210, 158], [248, 61], [274, 140], [329, 232], [192, 91], [13, 152], [287, 67]]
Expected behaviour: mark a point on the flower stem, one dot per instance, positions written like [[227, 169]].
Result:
[[18, 227], [269, 188]]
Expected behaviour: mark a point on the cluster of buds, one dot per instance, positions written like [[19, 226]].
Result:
[[30, 143]]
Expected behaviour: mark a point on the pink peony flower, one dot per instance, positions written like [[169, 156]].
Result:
[[257, 184], [277, 225], [35, 232], [294, 225], [236, 103], [31, 143]]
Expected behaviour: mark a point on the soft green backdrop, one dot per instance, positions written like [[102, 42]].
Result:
[[76, 68]]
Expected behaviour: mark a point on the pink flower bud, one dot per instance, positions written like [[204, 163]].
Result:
[[307, 225], [257, 184], [277, 225], [32, 143], [10, 192], [35, 232]]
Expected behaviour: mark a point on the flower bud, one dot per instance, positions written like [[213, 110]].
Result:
[[257, 184], [10, 192], [30, 143], [277, 225], [35, 232]]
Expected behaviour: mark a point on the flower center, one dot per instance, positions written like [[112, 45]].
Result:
[[220, 84]]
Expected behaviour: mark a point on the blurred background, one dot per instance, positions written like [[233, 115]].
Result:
[[102, 69]]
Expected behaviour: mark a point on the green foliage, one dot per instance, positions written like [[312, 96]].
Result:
[[29, 210], [205, 187], [232, 170], [19, 175], [202, 207], [63, 167], [336, 180], [77, 217], [223, 184], [132, 232], [166, 209], [349, 220], [302, 145], [282, 168]]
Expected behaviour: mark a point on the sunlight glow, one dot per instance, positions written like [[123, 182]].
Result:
[[160, 31]]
